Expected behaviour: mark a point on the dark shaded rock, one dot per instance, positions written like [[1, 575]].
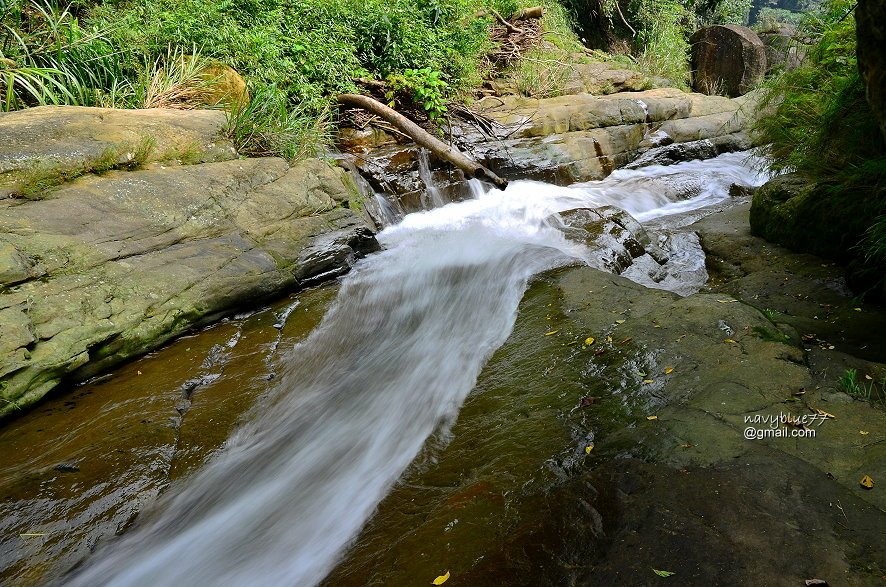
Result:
[[727, 59], [675, 153], [870, 18], [741, 191], [793, 211], [614, 235]]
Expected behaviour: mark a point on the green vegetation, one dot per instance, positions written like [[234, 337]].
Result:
[[294, 55], [664, 38], [864, 391], [269, 125], [654, 31], [37, 182], [819, 124], [773, 335], [424, 87]]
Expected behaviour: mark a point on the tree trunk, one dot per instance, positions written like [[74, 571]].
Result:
[[422, 138]]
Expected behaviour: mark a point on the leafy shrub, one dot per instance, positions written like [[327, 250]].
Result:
[[664, 38], [425, 87]]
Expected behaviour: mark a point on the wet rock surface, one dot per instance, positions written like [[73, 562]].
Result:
[[561, 140], [641, 396], [81, 467], [554, 472], [793, 211], [727, 59]]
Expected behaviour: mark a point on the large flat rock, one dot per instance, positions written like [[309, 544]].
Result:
[[111, 267], [72, 135]]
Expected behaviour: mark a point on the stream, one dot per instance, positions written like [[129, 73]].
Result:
[[389, 366]]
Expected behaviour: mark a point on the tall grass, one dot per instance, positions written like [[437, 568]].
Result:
[[176, 79], [818, 122], [268, 126], [664, 39], [47, 58]]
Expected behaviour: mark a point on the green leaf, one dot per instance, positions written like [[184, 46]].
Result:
[[663, 573]]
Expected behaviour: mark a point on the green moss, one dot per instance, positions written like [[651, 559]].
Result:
[[37, 182]]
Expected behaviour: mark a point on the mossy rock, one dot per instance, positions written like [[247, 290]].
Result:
[[793, 211], [228, 88]]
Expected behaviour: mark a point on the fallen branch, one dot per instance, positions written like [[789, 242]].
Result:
[[624, 20], [423, 138], [527, 13], [511, 28]]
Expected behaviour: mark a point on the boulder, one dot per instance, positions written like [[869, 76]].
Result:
[[870, 18], [727, 59], [784, 49], [614, 237], [227, 87], [793, 211], [578, 138], [112, 267]]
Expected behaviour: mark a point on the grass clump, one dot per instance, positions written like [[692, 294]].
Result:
[[850, 384], [664, 39], [37, 182], [268, 126], [541, 73]]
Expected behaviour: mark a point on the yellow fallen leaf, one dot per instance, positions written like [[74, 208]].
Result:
[[441, 579], [619, 321], [551, 332], [824, 414], [868, 377], [863, 432], [669, 370], [729, 341], [652, 417], [857, 309], [867, 482], [589, 341], [726, 301], [609, 339], [589, 448], [648, 381]]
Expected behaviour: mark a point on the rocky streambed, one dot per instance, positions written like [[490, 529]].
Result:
[[604, 440], [570, 462]]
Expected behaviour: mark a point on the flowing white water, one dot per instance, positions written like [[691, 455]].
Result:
[[391, 362]]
